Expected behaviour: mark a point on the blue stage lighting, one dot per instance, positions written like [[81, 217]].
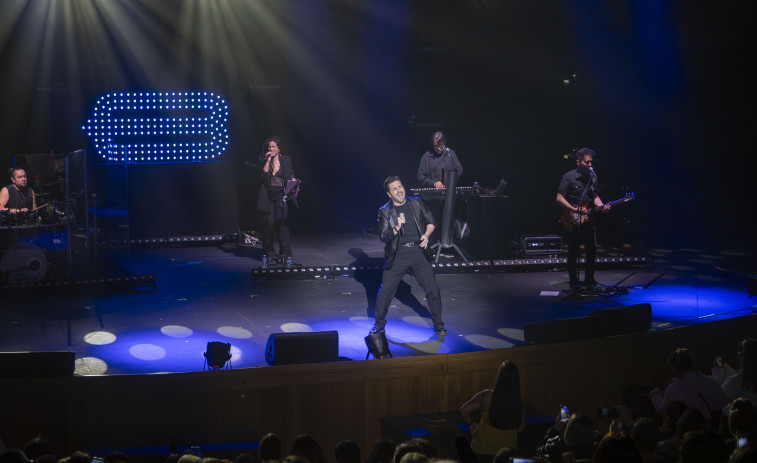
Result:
[[165, 126]]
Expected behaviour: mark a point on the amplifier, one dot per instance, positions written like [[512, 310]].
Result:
[[551, 244]]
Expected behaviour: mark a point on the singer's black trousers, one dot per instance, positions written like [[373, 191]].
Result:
[[577, 235], [409, 258], [276, 230]]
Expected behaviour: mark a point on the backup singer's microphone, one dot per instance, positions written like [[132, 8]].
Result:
[[591, 169], [402, 227]]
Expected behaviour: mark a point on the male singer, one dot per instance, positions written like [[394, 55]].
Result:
[[405, 224], [576, 192]]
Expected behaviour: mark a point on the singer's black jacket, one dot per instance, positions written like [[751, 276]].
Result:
[[387, 220]]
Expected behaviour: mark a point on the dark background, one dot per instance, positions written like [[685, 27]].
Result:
[[664, 92]]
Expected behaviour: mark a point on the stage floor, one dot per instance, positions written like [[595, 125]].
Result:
[[207, 294]]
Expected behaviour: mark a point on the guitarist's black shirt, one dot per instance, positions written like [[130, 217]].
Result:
[[573, 184]]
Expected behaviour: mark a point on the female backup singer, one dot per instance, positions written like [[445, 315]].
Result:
[[276, 171]]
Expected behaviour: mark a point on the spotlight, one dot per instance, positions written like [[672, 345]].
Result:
[[377, 345], [217, 355]]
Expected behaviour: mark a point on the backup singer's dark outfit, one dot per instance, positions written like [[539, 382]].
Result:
[[18, 199], [272, 202], [402, 253], [572, 185], [434, 167]]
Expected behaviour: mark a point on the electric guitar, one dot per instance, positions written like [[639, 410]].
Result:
[[570, 218]]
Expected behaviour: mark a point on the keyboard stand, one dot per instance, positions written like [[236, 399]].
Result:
[[447, 213]]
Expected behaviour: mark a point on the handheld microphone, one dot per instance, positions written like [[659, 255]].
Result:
[[591, 169], [402, 227]]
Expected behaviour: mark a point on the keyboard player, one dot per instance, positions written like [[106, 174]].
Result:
[[433, 171], [436, 164]]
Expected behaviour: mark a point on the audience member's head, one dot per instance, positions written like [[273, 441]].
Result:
[[308, 448], [681, 361], [414, 457], [580, 435], [742, 418], [347, 451], [416, 444], [506, 410], [245, 457], [270, 447], [382, 451], [79, 457], [616, 447], [702, 447], [13, 456], [746, 454], [645, 435], [189, 458], [37, 447]]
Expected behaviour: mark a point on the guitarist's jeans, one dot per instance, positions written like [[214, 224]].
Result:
[[581, 234]]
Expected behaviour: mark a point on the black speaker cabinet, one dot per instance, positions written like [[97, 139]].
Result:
[[36, 364], [287, 348], [598, 324]]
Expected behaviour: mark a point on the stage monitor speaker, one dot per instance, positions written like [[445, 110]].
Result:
[[288, 348], [598, 324], [36, 364]]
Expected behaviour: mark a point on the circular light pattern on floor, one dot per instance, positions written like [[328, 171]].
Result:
[[682, 267], [664, 251], [487, 342], [512, 333], [99, 338], [362, 321], [707, 277], [176, 331], [417, 321], [89, 366], [710, 256], [733, 253], [147, 352], [700, 261], [234, 332], [427, 347], [296, 328], [690, 250]]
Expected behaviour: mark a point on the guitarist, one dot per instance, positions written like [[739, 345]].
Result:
[[578, 196]]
